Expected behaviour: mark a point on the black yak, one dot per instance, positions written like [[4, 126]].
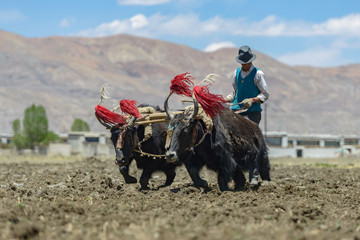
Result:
[[232, 145], [146, 144]]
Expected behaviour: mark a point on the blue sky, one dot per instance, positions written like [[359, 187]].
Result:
[[321, 33]]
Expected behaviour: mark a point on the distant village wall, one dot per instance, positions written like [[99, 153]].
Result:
[[280, 144]]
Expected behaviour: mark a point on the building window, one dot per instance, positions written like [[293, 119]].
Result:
[[350, 141], [308, 143], [332, 143], [72, 137], [92, 139], [273, 141]]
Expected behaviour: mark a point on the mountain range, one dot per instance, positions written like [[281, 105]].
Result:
[[65, 74]]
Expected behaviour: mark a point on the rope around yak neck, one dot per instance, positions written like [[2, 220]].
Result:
[[154, 156], [206, 132], [149, 154]]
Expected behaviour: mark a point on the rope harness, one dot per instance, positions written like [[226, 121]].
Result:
[[137, 145], [148, 134], [194, 137]]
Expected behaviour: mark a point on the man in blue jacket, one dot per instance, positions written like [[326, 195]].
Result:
[[250, 89]]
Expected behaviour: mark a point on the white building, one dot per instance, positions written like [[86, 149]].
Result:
[[280, 144]]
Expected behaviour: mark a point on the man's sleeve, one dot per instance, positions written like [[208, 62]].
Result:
[[261, 84], [231, 95]]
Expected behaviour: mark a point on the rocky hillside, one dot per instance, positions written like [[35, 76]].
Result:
[[65, 74]]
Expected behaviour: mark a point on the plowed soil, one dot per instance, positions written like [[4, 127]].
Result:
[[87, 199]]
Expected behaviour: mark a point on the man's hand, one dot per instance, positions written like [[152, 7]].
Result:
[[248, 102], [226, 99]]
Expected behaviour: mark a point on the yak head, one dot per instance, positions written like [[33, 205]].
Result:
[[123, 136], [123, 133], [184, 128], [124, 139], [180, 132]]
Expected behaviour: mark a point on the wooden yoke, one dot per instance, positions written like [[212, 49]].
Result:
[[153, 118]]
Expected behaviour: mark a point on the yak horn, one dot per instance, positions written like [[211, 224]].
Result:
[[107, 125], [131, 121], [166, 107], [196, 109]]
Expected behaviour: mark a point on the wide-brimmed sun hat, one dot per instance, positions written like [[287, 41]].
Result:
[[245, 55]]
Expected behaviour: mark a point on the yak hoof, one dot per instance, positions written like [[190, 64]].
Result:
[[144, 188], [130, 180], [201, 184]]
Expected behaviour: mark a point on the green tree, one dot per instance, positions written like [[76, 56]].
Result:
[[50, 137], [19, 139], [16, 126], [80, 126], [35, 128], [35, 124]]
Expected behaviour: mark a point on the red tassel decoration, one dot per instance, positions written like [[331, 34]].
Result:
[[181, 84], [211, 103], [108, 116], [130, 107]]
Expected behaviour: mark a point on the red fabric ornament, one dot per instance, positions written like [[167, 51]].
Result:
[[108, 116], [211, 103], [181, 84], [130, 107]]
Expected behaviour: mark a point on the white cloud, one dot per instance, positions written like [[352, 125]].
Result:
[[190, 25], [11, 16], [343, 32], [216, 46], [66, 22], [138, 21], [346, 42], [319, 57], [159, 25], [347, 25], [273, 26], [346, 29], [142, 2], [135, 25]]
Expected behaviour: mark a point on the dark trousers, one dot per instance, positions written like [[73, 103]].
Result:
[[253, 116]]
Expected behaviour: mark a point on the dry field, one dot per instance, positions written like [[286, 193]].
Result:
[[75, 198]]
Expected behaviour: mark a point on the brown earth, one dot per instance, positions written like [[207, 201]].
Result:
[[87, 199]]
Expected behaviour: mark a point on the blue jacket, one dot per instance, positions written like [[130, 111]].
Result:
[[246, 88]]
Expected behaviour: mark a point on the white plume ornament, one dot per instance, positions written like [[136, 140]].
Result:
[[116, 108], [209, 79], [104, 93]]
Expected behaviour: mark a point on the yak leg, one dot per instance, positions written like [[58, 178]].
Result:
[[170, 175], [144, 178], [193, 166], [223, 184], [264, 166], [227, 168], [195, 177], [239, 179], [124, 170], [254, 173], [223, 180]]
